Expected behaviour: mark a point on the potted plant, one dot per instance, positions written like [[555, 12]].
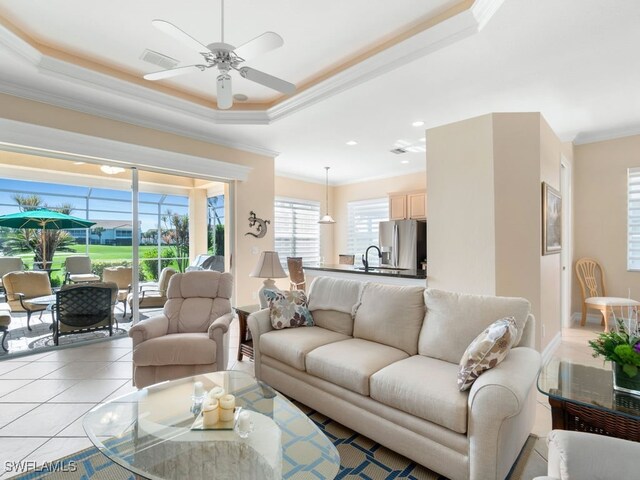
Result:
[[623, 349]]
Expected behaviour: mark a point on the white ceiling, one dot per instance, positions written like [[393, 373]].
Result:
[[575, 61]]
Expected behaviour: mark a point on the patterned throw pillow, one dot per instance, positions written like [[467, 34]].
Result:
[[288, 309], [486, 351]]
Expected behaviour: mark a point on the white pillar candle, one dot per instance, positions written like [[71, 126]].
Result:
[[228, 402], [198, 389], [210, 414], [216, 393], [244, 421]]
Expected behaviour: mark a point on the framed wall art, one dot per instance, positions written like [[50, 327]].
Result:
[[551, 220]]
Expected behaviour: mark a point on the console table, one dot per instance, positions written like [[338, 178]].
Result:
[[582, 398]]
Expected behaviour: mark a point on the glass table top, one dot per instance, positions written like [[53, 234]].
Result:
[[587, 385], [148, 432]]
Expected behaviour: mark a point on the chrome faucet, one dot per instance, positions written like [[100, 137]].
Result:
[[365, 257]]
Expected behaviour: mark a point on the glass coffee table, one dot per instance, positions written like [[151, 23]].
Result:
[[149, 433], [582, 398]]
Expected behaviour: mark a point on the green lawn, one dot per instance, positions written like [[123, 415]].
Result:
[[97, 253]]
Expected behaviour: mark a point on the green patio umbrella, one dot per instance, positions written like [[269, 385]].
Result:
[[43, 219]]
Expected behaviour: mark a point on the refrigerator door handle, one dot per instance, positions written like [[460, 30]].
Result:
[[396, 243]]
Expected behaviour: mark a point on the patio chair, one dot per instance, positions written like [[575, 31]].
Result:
[[9, 264], [191, 336], [20, 287], [84, 308], [121, 276], [207, 262], [153, 295], [78, 270]]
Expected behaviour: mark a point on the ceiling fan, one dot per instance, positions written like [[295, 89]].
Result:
[[226, 58]]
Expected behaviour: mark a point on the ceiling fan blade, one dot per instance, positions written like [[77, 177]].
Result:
[[259, 45], [175, 32], [173, 72], [224, 93], [267, 80]]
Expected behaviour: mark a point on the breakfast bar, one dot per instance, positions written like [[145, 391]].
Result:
[[386, 275]]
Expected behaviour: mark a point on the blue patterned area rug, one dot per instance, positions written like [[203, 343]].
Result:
[[360, 457]]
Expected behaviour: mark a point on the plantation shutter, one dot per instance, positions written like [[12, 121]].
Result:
[[363, 219], [297, 232], [633, 219]]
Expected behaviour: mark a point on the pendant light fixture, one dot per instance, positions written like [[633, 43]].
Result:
[[327, 219]]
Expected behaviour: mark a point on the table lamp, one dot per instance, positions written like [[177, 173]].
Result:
[[268, 267]]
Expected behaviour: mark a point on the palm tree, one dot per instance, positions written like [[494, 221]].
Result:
[[98, 231]]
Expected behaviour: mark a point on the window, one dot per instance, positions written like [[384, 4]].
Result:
[[297, 232], [363, 217], [633, 219]]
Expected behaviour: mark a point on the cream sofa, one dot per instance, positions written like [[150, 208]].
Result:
[[383, 360]]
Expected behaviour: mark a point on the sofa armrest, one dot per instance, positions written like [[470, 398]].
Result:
[[259, 324], [218, 333], [153, 327], [587, 455], [501, 412]]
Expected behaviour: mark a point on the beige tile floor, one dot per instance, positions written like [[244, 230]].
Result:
[[43, 397]]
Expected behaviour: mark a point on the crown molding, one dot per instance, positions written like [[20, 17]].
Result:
[[456, 27], [38, 140], [612, 134]]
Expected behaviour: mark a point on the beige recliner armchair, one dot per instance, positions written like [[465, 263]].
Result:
[[191, 335]]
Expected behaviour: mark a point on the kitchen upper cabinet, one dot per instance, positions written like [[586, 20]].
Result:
[[397, 207], [408, 205], [417, 203]]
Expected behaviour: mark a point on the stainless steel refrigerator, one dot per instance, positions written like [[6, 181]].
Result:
[[403, 243]]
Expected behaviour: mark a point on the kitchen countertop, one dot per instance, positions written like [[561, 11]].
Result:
[[355, 269]]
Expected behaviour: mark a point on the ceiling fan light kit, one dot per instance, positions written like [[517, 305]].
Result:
[[225, 57]]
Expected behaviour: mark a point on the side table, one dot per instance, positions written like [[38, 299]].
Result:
[[245, 343]]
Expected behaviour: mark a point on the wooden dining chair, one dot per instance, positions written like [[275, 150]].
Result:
[[594, 292], [296, 273], [346, 259]]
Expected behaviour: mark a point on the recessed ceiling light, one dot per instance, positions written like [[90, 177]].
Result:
[[240, 97], [404, 161], [351, 143], [108, 169], [78, 163], [423, 139], [418, 123]]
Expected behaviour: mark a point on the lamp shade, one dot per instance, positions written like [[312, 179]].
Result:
[[268, 266]]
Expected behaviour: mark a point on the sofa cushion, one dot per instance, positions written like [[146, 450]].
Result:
[[453, 320], [176, 349], [328, 293], [291, 345], [350, 363], [486, 351], [334, 320], [391, 315], [424, 387], [288, 309]]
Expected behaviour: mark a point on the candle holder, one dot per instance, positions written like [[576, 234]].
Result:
[[244, 425]]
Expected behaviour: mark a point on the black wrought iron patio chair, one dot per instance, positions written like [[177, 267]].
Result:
[[84, 308]]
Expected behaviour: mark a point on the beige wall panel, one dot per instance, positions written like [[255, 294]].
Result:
[[461, 239], [516, 138], [343, 194], [254, 194], [600, 206], [550, 265]]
